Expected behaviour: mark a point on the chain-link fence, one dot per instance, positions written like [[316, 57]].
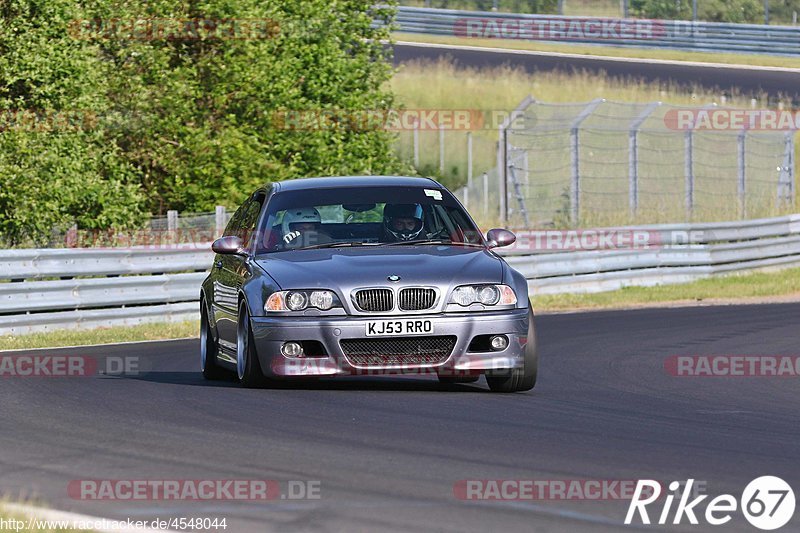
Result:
[[608, 163], [754, 11]]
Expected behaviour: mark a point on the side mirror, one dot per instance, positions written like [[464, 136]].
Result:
[[227, 245], [500, 237]]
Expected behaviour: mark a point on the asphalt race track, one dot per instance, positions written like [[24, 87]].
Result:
[[746, 80], [387, 451]]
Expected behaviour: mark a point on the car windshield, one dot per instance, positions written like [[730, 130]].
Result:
[[366, 216]]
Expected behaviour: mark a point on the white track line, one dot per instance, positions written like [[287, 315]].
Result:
[[39, 513], [727, 66]]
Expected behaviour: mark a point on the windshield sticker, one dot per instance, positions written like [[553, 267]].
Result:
[[436, 195]]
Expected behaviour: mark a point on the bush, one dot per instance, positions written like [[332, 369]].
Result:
[[182, 123]]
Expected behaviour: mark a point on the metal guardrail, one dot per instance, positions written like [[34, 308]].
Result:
[[100, 287], [669, 34], [140, 289]]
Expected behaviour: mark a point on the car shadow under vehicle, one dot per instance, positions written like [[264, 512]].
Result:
[[349, 383]]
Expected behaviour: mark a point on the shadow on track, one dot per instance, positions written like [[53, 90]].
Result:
[[371, 383]]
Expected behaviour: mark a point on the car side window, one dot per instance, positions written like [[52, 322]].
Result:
[[250, 212], [234, 223]]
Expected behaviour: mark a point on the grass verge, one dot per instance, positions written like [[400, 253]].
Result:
[[143, 332], [753, 287], [608, 51]]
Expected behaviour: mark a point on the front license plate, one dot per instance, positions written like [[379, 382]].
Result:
[[406, 326]]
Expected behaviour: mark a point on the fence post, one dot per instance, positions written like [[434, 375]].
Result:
[[219, 219], [441, 149], [485, 194], [416, 143], [786, 174], [503, 176], [688, 170], [574, 150], [469, 157], [172, 220], [502, 154], [633, 157], [742, 184]]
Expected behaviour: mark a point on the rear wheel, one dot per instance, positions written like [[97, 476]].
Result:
[[519, 379], [209, 348], [248, 368]]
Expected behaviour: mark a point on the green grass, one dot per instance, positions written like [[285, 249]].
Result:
[[73, 337], [609, 51], [754, 286]]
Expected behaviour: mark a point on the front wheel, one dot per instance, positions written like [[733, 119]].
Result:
[[519, 379], [209, 348], [248, 369]]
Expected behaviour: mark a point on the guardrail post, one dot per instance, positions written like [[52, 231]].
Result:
[[741, 184], [688, 169], [219, 219]]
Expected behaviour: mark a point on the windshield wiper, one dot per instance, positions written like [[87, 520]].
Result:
[[435, 241], [333, 245]]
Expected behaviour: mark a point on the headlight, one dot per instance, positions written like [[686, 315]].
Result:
[[488, 295], [282, 301], [296, 301]]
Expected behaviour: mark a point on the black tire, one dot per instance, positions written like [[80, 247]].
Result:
[[519, 379], [209, 348], [248, 369]]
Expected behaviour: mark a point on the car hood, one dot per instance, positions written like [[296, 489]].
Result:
[[348, 268]]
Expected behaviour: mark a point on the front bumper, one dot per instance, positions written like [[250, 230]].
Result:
[[270, 333]]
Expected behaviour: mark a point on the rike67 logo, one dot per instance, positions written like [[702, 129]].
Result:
[[767, 503]]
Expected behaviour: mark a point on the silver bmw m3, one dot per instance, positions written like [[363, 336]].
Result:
[[341, 276]]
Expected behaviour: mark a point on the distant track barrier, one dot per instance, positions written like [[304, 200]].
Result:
[[664, 34]]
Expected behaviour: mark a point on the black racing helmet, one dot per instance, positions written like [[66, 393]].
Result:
[[403, 221]]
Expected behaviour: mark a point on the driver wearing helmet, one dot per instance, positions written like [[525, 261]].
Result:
[[403, 222], [301, 227]]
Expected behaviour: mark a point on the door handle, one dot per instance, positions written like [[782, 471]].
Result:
[[218, 264]]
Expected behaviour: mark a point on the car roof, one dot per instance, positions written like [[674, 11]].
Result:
[[333, 182]]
